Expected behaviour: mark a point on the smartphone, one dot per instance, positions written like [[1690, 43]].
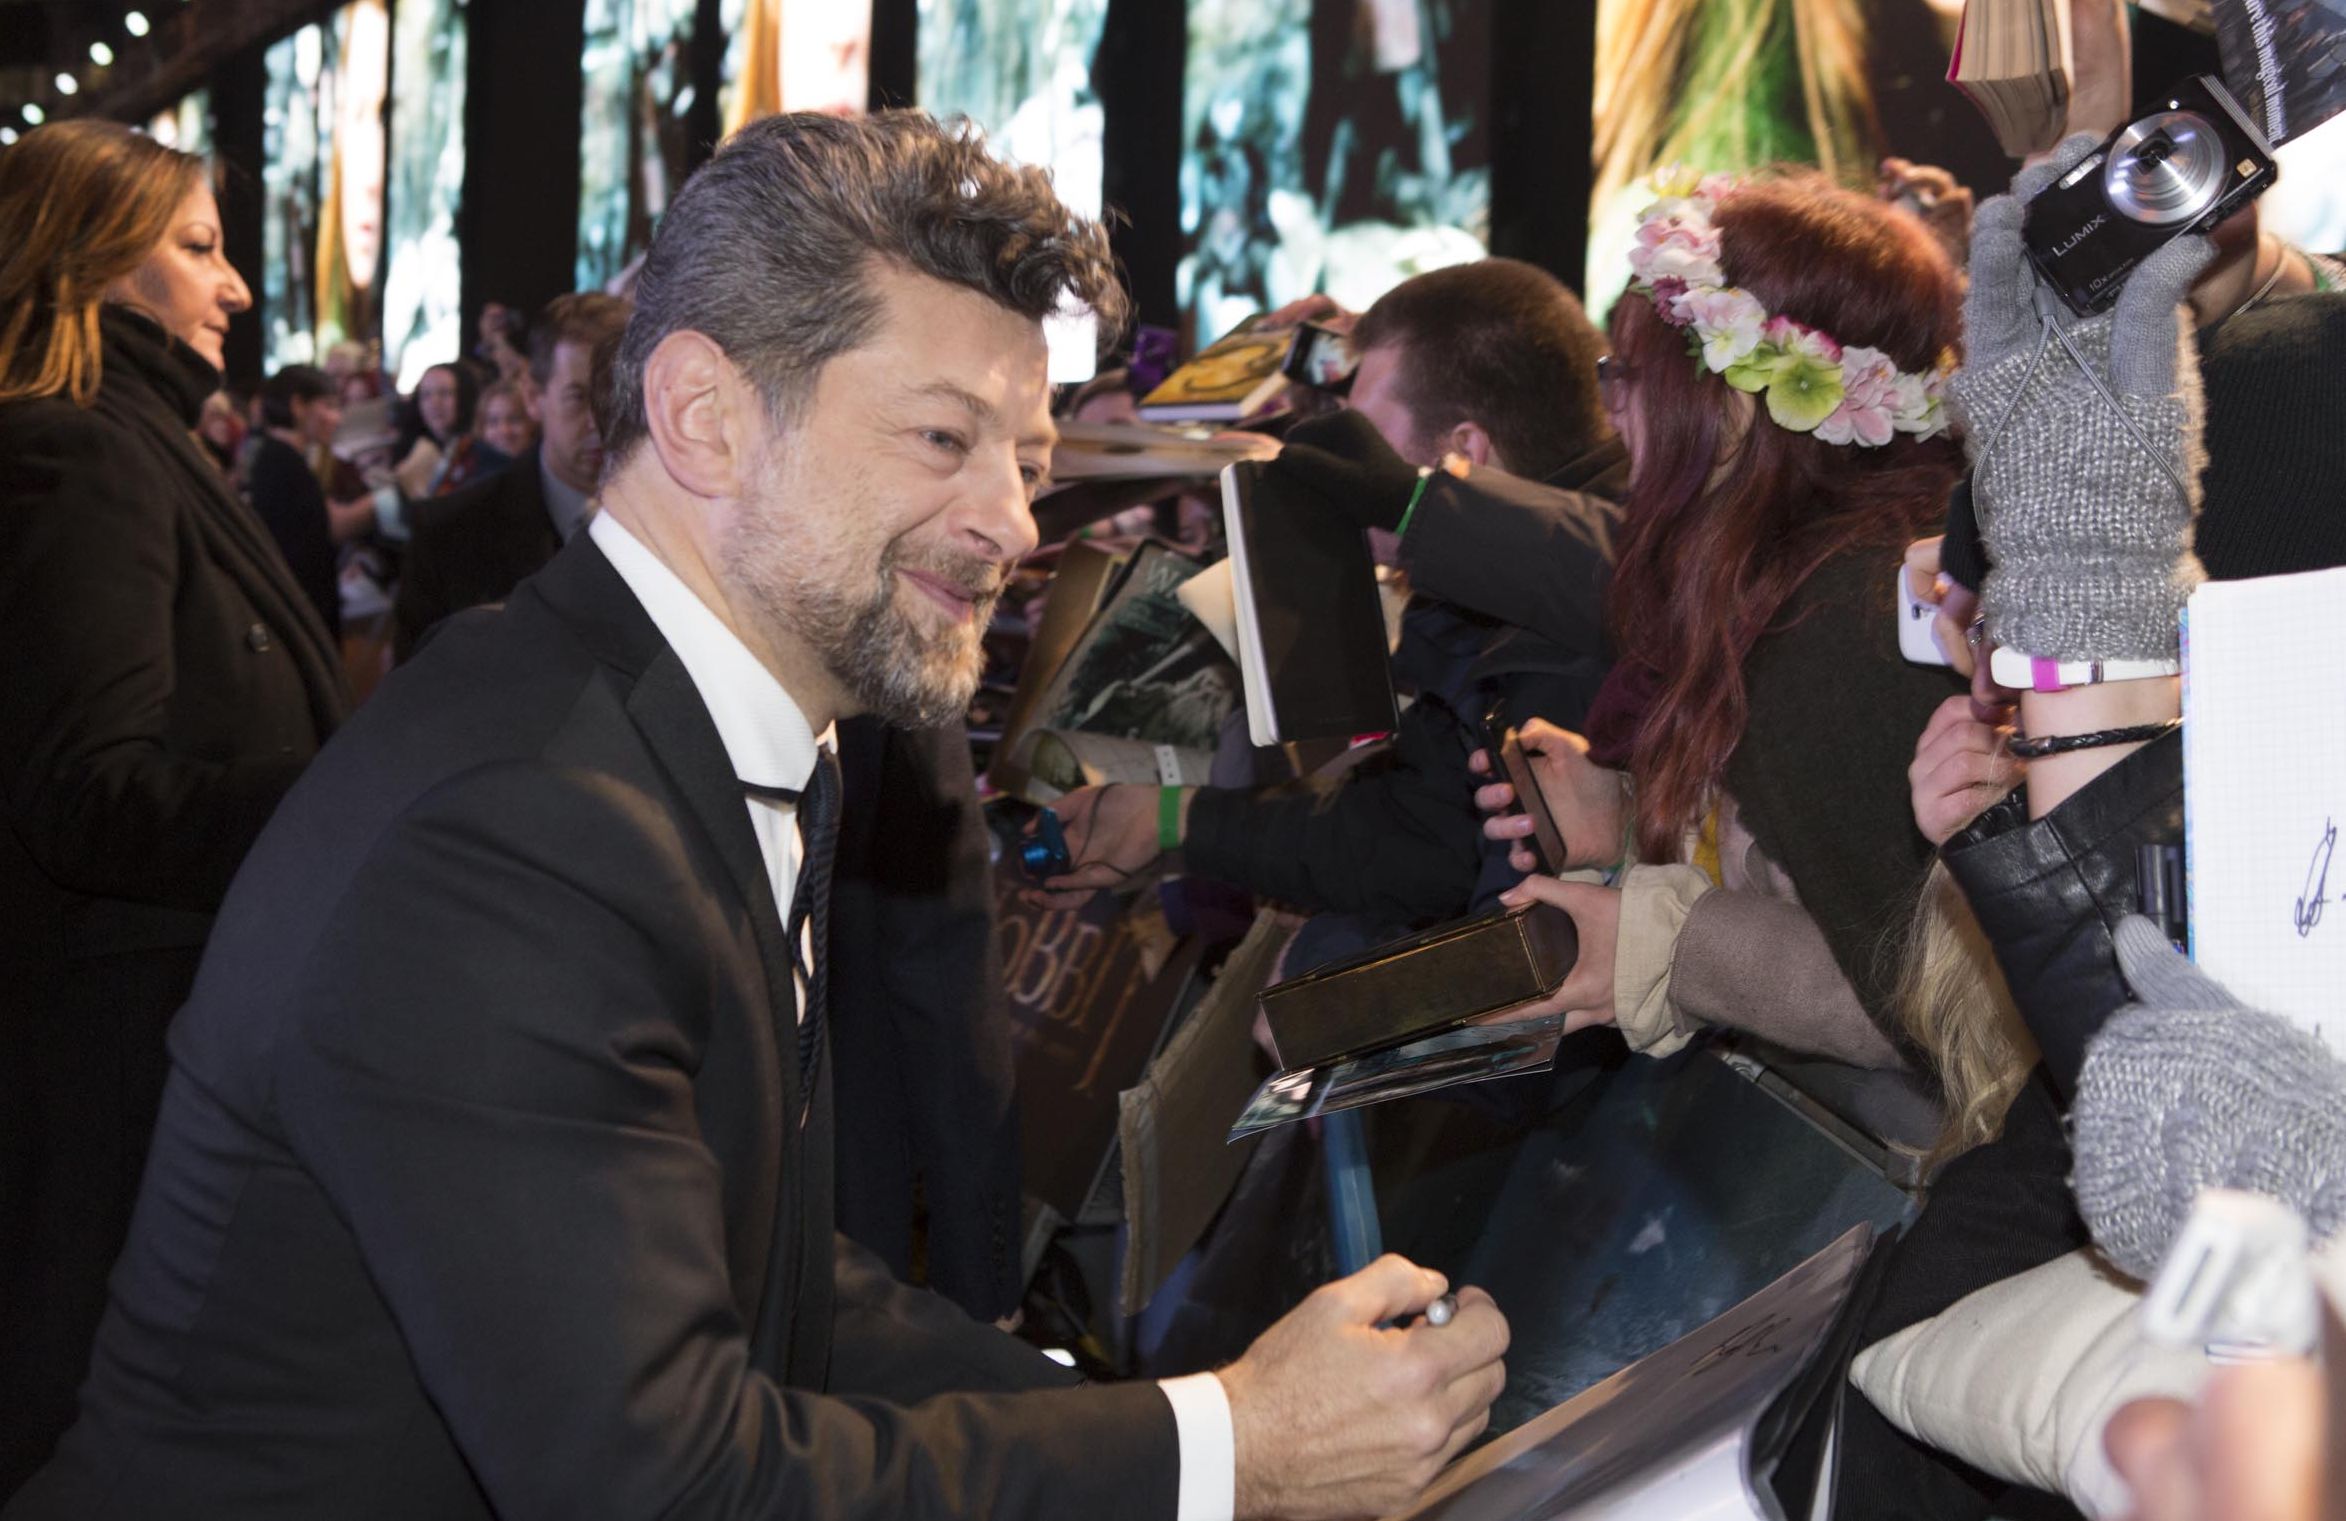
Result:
[[1320, 357], [1918, 638], [1043, 855], [1547, 841]]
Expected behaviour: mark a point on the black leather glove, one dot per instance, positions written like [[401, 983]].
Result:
[[1343, 459]]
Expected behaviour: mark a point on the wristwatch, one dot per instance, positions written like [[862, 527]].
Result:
[[2034, 673]]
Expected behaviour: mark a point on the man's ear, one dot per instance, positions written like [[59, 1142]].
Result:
[[697, 408], [1469, 439]]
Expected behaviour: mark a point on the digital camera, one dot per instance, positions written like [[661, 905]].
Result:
[[2184, 167]]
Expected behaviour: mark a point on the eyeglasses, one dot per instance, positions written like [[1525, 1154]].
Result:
[[1613, 377]]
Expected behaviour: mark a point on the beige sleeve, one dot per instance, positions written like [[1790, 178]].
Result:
[[1655, 902]]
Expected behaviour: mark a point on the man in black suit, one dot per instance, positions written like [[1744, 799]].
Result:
[[493, 1174], [925, 1067], [475, 545]]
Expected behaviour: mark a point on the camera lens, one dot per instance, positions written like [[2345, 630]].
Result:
[[2165, 169]]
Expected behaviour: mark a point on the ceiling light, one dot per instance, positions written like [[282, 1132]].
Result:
[[67, 84], [135, 23], [33, 113], [100, 54], [7, 136]]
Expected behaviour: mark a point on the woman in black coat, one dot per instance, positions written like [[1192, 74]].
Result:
[[164, 685]]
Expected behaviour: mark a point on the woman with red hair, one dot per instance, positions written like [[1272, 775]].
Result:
[[1776, 372]]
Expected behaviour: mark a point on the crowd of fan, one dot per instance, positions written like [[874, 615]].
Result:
[[1677, 579], [1778, 825]]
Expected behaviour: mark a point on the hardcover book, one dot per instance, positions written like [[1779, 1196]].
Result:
[[2013, 61], [1437, 978], [1238, 375], [1312, 638]]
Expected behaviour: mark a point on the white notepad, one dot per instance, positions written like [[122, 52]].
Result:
[[2264, 771]]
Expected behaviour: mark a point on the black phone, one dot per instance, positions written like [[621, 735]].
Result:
[[1509, 761], [1547, 841], [1320, 357]]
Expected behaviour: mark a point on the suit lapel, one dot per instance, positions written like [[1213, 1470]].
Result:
[[790, 1334], [668, 711]]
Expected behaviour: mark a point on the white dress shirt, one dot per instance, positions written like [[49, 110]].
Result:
[[770, 743]]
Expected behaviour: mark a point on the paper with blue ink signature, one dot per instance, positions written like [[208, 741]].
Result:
[[2264, 769]]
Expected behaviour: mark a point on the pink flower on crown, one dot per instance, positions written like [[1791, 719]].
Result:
[[1669, 295], [1728, 323], [1676, 242], [1800, 341], [1869, 394], [1715, 188], [1918, 404]]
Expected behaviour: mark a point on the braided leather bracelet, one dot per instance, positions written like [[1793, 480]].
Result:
[[2028, 748]]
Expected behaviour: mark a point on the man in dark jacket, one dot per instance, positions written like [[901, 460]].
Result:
[[1490, 366], [493, 1176], [475, 545], [926, 1076]]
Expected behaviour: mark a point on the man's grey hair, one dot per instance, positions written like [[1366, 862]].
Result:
[[768, 250]]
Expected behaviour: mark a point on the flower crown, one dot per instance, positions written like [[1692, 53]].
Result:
[[1813, 384]]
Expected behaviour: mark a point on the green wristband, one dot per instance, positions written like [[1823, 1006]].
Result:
[[1425, 476], [1168, 818]]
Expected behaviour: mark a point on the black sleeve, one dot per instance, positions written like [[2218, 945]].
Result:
[[89, 571], [424, 596], [1999, 1209], [1398, 839], [1515, 550], [507, 1127], [289, 500], [2049, 893], [905, 1345]]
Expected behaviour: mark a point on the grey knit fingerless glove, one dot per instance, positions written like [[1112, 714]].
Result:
[[2088, 534], [2187, 1089]]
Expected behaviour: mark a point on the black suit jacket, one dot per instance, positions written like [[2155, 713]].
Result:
[[925, 1061], [471, 547], [165, 683], [483, 1183]]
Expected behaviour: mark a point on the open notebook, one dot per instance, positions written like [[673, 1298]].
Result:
[[2264, 770]]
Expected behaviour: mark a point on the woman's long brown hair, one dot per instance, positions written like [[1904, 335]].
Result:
[[1728, 513], [83, 203]]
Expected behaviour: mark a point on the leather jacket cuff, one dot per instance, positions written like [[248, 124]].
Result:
[[2049, 891]]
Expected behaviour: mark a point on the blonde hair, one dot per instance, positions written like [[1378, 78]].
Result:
[[1953, 1001], [1705, 82], [87, 202]]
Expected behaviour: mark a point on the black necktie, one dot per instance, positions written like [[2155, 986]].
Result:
[[810, 907]]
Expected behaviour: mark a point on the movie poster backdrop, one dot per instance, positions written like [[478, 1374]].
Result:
[[423, 281], [323, 171]]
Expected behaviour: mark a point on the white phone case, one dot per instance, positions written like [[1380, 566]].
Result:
[[1918, 638]]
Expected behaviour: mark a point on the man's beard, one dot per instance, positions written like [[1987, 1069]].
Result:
[[889, 665]]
